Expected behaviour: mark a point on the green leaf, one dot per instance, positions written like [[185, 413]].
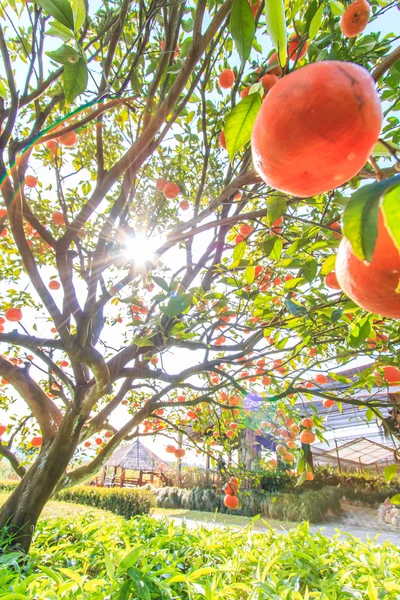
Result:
[[58, 30], [161, 283], [316, 23], [395, 499], [390, 472], [239, 123], [372, 591], [64, 55], [309, 270], [337, 7], [239, 250], [142, 342], [336, 315], [249, 274], [301, 479], [59, 9], [276, 207], [391, 211], [296, 309], [276, 26], [369, 414], [79, 13], [242, 28], [360, 217], [276, 251], [328, 265], [178, 305], [384, 149], [3, 91], [75, 79]]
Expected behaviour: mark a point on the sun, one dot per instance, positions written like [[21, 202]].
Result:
[[140, 248]]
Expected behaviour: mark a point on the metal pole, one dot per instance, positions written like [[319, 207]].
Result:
[[338, 458]]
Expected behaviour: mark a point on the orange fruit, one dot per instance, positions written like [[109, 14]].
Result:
[[184, 205], [268, 81], [307, 422], [294, 43], [170, 449], [226, 79], [64, 363], [277, 70], [309, 476], [180, 452], [390, 375], [231, 502], [331, 281], [68, 139], [295, 428], [30, 181], [13, 314], [355, 18], [54, 285], [222, 140], [87, 444], [245, 92], [327, 115], [245, 230], [161, 183], [373, 286], [307, 437], [288, 457], [36, 441], [328, 403], [171, 191], [321, 379], [98, 441], [58, 218]]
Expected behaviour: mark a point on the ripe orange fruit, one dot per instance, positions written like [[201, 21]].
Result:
[[160, 412], [288, 457], [180, 452], [191, 414], [222, 140], [58, 218], [54, 285], [231, 502], [309, 385], [280, 449], [171, 191], [64, 363], [331, 281], [98, 441], [390, 375], [245, 230], [268, 81], [30, 181], [170, 449], [3, 213], [184, 205], [372, 286], [3, 429], [255, 6], [161, 183], [277, 70], [295, 428], [328, 403], [307, 437], [245, 92], [13, 314], [294, 43], [326, 114], [226, 79], [321, 379], [36, 441], [307, 422], [291, 444], [355, 18], [68, 139], [87, 444], [309, 476]]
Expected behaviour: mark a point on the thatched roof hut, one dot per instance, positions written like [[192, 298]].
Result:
[[133, 457]]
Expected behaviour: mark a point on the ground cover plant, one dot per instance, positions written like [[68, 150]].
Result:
[[144, 558], [199, 226]]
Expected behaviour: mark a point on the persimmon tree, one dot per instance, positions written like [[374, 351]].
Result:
[[115, 121]]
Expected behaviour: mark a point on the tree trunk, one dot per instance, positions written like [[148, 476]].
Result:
[[249, 454], [21, 511]]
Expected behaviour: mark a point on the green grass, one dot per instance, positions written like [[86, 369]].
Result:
[[59, 510]]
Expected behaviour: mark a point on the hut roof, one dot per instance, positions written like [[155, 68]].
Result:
[[137, 457]]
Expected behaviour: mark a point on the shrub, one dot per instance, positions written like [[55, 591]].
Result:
[[148, 558], [312, 505], [8, 485], [126, 502]]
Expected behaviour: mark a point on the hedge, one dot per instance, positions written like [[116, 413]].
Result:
[[311, 505], [127, 502]]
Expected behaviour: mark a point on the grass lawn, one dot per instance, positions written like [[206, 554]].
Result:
[[63, 510], [212, 517]]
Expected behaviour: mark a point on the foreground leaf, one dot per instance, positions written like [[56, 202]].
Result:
[[390, 472], [239, 123], [59, 9], [276, 26], [242, 28], [75, 79]]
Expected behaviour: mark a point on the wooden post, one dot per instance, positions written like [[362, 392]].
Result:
[[140, 482], [208, 470], [376, 468], [338, 458], [114, 475], [122, 478], [361, 468], [103, 477], [180, 461]]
